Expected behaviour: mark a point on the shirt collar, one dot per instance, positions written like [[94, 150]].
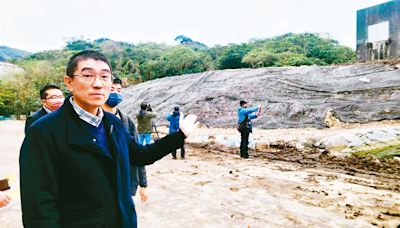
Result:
[[47, 110], [86, 116], [118, 115]]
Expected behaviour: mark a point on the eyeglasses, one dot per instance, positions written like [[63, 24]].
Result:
[[54, 97], [90, 78]]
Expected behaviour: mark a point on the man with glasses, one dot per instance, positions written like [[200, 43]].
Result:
[[52, 98], [75, 162]]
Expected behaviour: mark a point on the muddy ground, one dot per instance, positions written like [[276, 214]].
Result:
[[386, 171], [279, 186], [309, 188]]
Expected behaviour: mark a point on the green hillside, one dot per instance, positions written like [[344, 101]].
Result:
[[7, 53], [135, 63]]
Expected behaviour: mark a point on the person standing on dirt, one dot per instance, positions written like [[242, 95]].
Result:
[[245, 115], [52, 98], [173, 119], [145, 123], [138, 173]]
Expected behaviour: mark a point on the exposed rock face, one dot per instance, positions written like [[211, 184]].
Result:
[[8, 69], [292, 97]]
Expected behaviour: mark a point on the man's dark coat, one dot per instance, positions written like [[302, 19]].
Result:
[[68, 180], [32, 118]]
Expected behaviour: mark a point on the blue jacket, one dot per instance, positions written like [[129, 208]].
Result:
[[67, 180], [250, 112], [173, 122]]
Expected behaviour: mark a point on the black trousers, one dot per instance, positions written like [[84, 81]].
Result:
[[244, 143], [182, 152]]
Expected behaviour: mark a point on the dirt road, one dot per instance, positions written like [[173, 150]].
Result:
[[279, 187]]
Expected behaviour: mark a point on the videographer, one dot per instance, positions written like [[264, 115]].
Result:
[[145, 123]]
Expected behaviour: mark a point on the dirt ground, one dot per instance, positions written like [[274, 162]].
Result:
[[278, 187]]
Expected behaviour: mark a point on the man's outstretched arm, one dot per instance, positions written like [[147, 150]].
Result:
[[247, 111], [148, 154], [145, 155]]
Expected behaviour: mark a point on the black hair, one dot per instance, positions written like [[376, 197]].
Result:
[[143, 109], [117, 81], [84, 55], [242, 102], [176, 108], [43, 90], [143, 106]]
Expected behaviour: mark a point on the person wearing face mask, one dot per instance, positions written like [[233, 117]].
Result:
[[52, 98], [138, 173]]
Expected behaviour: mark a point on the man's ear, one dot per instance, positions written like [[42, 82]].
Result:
[[43, 102], [68, 82]]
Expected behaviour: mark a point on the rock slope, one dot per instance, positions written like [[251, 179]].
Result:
[[293, 97]]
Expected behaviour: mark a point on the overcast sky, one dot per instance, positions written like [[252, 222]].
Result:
[[36, 25]]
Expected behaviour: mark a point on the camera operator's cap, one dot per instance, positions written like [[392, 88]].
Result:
[[242, 102], [176, 108]]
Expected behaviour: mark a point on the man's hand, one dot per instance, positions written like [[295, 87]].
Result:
[[188, 125], [4, 199], [259, 110], [143, 194]]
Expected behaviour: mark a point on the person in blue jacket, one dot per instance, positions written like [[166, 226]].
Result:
[[173, 119], [245, 115], [75, 162]]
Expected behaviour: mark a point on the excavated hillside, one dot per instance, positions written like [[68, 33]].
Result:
[[294, 97]]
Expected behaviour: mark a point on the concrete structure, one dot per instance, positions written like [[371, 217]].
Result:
[[378, 31]]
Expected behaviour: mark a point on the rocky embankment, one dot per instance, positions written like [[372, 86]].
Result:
[[8, 69], [293, 97]]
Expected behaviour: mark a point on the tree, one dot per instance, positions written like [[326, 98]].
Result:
[[293, 59], [184, 60], [305, 48], [80, 45], [232, 55], [20, 94], [6, 99], [260, 58], [184, 40]]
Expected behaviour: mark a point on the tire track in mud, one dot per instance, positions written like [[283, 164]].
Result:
[[384, 172]]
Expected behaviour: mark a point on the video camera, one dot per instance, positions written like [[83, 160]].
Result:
[[148, 108]]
